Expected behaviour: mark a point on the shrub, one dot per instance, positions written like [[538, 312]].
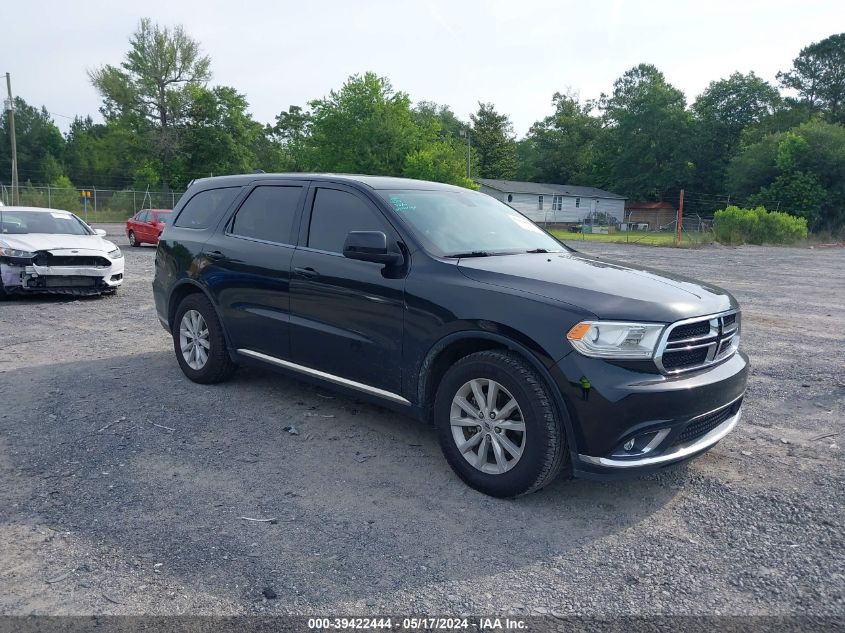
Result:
[[758, 226], [29, 196], [63, 195], [123, 202]]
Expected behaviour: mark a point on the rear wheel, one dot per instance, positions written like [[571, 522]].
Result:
[[199, 342], [133, 241], [497, 424]]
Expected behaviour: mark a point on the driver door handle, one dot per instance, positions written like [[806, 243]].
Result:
[[307, 272]]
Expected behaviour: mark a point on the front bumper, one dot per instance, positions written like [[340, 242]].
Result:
[[630, 421], [23, 276], [675, 453]]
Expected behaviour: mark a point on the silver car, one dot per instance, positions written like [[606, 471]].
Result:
[[54, 251]]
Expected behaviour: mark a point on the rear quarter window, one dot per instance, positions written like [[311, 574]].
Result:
[[206, 207]]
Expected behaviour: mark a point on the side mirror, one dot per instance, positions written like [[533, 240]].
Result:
[[100, 232], [371, 246]]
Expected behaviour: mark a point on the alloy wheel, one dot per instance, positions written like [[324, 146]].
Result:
[[487, 426], [194, 339]]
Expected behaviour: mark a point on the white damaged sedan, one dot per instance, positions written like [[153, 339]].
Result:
[[53, 251]]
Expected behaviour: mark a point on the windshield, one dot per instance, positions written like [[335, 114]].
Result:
[[468, 223], [55, 222]]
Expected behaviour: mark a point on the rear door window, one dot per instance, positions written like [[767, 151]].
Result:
[[204, 208], [335, 213], [268, 214]]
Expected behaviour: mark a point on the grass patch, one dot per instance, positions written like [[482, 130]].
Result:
[[654, 238], [108, 217]]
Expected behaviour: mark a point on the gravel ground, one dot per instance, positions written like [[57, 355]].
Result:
[[122, 484]]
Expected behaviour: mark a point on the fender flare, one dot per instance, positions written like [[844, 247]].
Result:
[[511, 344], [171, 308]]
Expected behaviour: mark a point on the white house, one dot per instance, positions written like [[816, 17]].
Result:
[[554, 204]]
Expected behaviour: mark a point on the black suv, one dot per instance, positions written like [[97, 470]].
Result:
[[528, 357]]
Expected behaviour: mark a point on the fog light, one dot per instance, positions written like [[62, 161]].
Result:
[[642, 444]]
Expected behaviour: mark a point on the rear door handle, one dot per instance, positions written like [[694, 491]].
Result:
[[308, 272]]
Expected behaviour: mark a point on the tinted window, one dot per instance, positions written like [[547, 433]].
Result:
[[268, 214], [336, 213], [205, 207]]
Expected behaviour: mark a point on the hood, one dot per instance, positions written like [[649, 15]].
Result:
[[608, 289], [52, 242]]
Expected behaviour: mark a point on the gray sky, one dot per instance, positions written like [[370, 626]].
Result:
[[514, 53]]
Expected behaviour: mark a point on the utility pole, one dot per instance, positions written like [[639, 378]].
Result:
[[466, 133], [469, 154], [680, 220], [10, 108]]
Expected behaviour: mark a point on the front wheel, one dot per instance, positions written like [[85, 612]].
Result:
[[498, 426], [133, 240], [199, 342]]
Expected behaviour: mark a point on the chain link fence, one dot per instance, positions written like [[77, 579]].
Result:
[[90, 203], [656, 229]]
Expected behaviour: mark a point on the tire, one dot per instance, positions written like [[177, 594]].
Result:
[[217, 366], [544, 452], [133, 241]]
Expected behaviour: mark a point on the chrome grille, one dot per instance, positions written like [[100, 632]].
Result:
[[699, 342]]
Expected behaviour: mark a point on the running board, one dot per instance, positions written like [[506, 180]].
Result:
[[316, 373]]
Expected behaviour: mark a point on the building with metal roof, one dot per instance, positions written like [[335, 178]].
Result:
[[553, 203]]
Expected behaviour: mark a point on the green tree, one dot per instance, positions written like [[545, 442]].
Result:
[[428, 113], [64, 195], [801, 171], [219, 135], [441, 161], [106, 154], [290, 134], [365, 127], [644, 152], [797, 192], [145, 178], [40, 145], [736, 102], [722, 112], [270, 156], [152, 88], [818, 76], [562, 147], [493, 140]]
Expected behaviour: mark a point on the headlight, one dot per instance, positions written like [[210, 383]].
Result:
[[115, 254], [13, 252], [614, 339]]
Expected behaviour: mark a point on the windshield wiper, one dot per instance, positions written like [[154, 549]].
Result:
[[538, 250], [469, 254]]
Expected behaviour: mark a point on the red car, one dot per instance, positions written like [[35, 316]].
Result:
[[145, 226]]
